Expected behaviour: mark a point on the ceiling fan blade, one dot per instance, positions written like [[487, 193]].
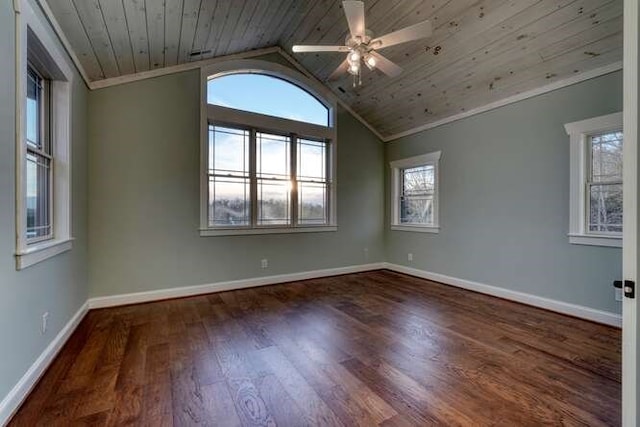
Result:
[[386, 66], [319, 48], [414, 32], [354, 11], [339, 72]]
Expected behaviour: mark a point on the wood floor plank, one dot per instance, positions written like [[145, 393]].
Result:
[[374, 348]]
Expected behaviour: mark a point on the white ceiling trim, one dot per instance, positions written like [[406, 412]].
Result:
[[157, 72], [587, 75]]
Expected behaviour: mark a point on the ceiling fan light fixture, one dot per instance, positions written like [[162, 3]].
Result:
[[370, 61], [361, 46]]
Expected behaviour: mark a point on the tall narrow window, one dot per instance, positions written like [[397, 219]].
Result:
[[39, 159], [270, 151], [313, 185], [417, 195], [228, 177], [604, 183], [595, 203], [273, 170]]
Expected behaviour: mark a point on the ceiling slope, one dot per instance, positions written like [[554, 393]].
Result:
[[482, 52]]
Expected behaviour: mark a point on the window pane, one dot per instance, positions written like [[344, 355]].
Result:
[[38, 186], [273, 156], [312, 163], [605, 211], [418, 180], [34, 96], [259, 93], [229, 201], [312, 205], [228, 151], [274, 202], [606, 157], [416, 210]]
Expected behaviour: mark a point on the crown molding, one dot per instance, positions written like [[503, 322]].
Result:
[[587, 75], [143, 75]]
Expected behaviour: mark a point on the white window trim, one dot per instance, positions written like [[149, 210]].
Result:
[[432, 159], [30, 254], [579, 133], [260, 121]]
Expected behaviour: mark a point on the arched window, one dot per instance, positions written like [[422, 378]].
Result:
[[268, 95], [268, 149]]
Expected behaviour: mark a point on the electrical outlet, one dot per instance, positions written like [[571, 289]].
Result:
[[264, 263], [45, 321], [366, 254], [618, 294], [410, 257]]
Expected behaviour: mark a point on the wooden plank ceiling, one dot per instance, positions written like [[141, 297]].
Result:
[[481, 51]]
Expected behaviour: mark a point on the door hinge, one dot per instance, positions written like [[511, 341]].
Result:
[[628, 287]]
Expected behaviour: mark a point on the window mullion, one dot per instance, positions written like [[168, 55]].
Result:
[[293, 177], [253, 179], [328, 173]]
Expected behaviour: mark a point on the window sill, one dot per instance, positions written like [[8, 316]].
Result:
[[595, 240], [41, 251], [210, 232], [417, 228]]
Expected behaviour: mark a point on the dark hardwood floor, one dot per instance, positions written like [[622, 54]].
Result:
[[376, 348]]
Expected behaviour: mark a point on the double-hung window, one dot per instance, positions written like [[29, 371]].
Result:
[[596, 181], [414, 184], [43, 145], [268, 154], [39, 159]]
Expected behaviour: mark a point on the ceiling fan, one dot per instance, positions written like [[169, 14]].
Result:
[[361, 47]]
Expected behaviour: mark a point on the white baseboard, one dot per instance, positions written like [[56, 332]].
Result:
[[186, 291], [21, 390], [599, 316]]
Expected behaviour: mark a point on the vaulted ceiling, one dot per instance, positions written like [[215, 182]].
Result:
[[481, 51]]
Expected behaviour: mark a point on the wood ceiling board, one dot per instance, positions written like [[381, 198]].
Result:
[[172, 28], [67, 17], [156, 32], [525, 41], [136, 16], [259, 24], [238, 43], [207, 11], [90, 15], [271, 28], [190, 13], [216, 26], [471, 42], [116, 23], [229, 26], [526, 81], [514, 59], [505, 54]]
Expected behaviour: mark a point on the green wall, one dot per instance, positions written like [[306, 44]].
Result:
[[504, 199], [59, 284], [144, 205]]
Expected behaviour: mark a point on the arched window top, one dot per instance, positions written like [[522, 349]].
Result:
[[268, 95]]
